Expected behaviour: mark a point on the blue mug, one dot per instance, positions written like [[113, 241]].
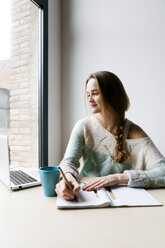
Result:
[[50, 176]]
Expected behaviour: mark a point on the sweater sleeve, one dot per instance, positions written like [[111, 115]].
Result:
[[73, 153], [154, 174]]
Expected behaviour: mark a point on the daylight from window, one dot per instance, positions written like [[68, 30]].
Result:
[[5, 29], [19, 80]]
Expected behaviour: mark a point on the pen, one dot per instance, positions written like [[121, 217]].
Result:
[[112, 194], [67, 183], [96, 193]]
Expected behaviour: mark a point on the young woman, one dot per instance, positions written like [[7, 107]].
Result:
[[113, 149]]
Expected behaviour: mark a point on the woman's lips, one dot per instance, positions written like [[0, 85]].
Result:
[[93, 105]]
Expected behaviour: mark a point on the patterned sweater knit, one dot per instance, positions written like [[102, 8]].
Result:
[[94, 145]]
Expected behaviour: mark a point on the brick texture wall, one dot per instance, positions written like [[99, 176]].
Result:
[[23, 138]]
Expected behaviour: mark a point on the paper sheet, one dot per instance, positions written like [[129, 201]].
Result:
[[85, 199], [127, 196]]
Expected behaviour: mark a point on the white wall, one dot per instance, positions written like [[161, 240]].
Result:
[[54, 83], [125, 37]]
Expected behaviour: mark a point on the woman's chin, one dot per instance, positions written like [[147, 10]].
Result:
[[94, 111]]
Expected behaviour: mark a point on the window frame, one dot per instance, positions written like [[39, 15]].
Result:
[[5, 106], [43, 110]]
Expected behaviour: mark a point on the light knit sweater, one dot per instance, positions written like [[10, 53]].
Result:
[[94, 144]]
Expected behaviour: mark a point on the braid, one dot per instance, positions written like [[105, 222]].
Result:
[[120, 154]]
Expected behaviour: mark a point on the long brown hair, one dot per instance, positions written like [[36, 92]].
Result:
[[115, 103]]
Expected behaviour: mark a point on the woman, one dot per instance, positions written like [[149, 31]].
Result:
[[113, 149]]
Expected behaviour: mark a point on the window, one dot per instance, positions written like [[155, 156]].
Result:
[[4, 109], [23, 90]]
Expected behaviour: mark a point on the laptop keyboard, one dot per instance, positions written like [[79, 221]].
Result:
[[20, 177]]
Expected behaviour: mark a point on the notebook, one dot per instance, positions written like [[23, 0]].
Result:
[[15, 178], [110, 197]]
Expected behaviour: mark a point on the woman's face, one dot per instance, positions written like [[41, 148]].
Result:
[[94, 96]]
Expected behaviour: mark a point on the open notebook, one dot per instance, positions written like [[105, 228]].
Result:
[[114, 197]]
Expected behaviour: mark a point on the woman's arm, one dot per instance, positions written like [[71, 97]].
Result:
[[152, 178], [109, 180], [73, 153], [70, 163], [154, 162]]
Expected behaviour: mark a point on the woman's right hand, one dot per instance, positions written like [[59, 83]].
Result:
[[62, 189]]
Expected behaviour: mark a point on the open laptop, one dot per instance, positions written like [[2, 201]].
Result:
[[15, 178]]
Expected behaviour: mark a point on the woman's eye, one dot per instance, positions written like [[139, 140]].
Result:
[[93, 94]]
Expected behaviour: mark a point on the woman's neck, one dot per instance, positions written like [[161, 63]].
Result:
[[109, 125]]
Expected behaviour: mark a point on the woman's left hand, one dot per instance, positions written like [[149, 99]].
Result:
[[110, 180]]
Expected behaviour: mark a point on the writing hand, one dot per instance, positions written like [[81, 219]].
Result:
[[62, 189]]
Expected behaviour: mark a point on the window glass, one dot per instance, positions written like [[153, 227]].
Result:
[[19, 77]]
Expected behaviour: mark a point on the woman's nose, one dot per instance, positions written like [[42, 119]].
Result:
[[91, 98]]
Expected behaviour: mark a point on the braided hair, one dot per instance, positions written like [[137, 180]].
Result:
[[115, 104], [119, 153]]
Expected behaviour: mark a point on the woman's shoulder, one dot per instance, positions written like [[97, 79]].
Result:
[[84, 127], [136, 132], [84, 123], [85, 120]]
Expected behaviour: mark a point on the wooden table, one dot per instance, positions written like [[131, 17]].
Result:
[[28, 219]]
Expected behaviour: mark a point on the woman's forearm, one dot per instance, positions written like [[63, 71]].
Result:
[[153, 178], [123, 178]]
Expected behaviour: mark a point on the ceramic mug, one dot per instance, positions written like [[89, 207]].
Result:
[[50, 176]]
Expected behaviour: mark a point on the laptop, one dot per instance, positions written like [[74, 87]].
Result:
[[15, 178]]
